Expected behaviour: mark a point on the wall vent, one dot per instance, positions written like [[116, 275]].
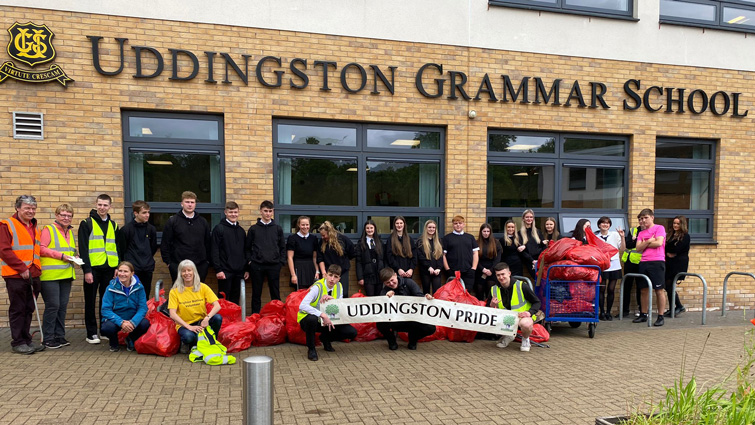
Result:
[[28, 125]]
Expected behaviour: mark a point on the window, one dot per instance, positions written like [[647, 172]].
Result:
[[167, 154], [567, 176], [347, 173], [733, 15], [684, 171], [623, 9]]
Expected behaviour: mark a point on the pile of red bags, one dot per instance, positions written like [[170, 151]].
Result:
[[573, 252], [230, 312], [293, 330], [456, 292], [268, 327], [238, 336]]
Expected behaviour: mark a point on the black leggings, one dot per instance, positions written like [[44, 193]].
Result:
[[606, 298]]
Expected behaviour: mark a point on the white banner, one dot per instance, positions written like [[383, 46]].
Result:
[[420, 309]]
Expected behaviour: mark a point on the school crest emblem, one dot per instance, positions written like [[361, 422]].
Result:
[[31, 44]]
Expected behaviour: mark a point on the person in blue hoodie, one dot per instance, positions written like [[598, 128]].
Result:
[[124, 307]]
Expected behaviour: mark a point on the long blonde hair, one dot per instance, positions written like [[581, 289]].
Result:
[[434, 251], [179, 284], [523, 228], [332, 241], [506, 238]]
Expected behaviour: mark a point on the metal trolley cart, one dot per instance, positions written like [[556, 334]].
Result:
[[571, 301]]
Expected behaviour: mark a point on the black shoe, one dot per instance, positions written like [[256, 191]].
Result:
[[185, 348], [679, 310], [412, 345], [609, 318], [667, 313], [312, 354], [659, 321], [63, 342], [641, 318], [53, 345], [602, 316], [115, 349], [328, 346], [624, 314], [392, 346]]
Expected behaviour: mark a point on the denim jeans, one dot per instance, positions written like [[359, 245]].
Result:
[[110, 330], [190, 338]]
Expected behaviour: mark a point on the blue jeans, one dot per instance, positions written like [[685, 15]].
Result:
[[110, 330], [190, 338]]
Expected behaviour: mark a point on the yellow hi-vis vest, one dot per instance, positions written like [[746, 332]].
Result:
[[102, 248], [53, 268], [323, 289], [518, 302], [26, 249], [209, 350], [631, 254]]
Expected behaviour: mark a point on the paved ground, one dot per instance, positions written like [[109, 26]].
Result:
[[573, 382]]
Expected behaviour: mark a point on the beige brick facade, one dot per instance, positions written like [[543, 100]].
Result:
[[82, 153]]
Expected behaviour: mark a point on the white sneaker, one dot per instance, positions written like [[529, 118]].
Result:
[[94, 339], [504, 341], [525, 345], [104, 338]]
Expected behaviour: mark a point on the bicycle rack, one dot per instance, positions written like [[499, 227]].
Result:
[[650, 295], [726, 279], [672, 302]]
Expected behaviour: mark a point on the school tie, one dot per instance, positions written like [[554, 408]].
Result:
[[372, 243]]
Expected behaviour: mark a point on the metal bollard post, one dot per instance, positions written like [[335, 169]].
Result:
[[242, 299], [258, 390], [158, 286]]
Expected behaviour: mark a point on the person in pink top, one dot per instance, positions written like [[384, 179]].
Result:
[[651, 243]]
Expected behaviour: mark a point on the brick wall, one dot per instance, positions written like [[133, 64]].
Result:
[[82, 154]]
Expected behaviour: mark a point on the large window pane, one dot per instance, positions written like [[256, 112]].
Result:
[[314, 181], [521, 144], [316, 135], [162, 177], [579, 146], [402, 139], [693, 11], [344, 223], [619, 5], [158, 219], [403, 184], [521, 186], [580, 188], [739, 16], [694, 225], [173, 128], [682, 150], [414, 224], [682, 190], [499, 223]]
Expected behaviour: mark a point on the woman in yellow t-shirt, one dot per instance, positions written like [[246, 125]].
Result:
[[187, 304]]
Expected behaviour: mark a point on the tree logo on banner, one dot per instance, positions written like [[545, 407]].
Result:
[[509, 321], [31, 44], [332, 311]]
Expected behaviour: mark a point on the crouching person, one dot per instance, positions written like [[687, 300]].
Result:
[[312, 320], [123, 308], [394, 285], [516, 296], [187, 304]]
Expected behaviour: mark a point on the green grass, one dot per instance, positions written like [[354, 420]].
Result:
[[686, 404]]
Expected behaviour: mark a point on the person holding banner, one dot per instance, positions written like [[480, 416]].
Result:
[[515, 297], [394, 285], [312, 320]]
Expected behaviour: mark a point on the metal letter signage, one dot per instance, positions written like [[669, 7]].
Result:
[[31, 44]]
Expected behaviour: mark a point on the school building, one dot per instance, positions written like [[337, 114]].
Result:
[[353, 110]]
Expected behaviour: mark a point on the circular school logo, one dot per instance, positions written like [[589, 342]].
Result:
[[31, 44]]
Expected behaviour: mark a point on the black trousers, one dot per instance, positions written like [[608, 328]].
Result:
[[231, 286], [21, 309], [372, 285], [310, 324], [101, 279], [430, 283], [202, 269], [258, 274], [146, 279], [628, 283], [416, 330]]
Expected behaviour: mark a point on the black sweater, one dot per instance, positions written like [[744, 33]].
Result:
[[406, 287], [511, 256], [424, 262], [186, 239], [459, 251], [228, 248], [397, 262], [489, 263], [532, 249], [368, 261], [140, 245], [265, 243]]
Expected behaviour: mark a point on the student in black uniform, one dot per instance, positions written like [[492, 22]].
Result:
[[461, 253], [186, 236], [582, 226], [335, 248], [369, 259], [677, 260], [301, 249], [490, 255], [266, 254], [550, 231], [532, 242], [510, 244], [228, 256], [140, 244], [399, 249], [394, 285], [430, 258]]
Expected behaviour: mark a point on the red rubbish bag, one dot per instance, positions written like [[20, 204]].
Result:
[[293, 330], [456, 292], [238, 336], [271, 330], [274, 308], [595, 241], [572, 273], [230, 312], [152, 304], [556, 251], [588, 255], [161, 337], [539, 334]]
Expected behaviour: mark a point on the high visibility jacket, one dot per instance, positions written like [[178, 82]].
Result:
[[323, 289], [632, 255], [26, 249], [102, 248], [209, 350], [518, 302], [53, 268]]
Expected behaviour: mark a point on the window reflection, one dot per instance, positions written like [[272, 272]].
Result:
[[683, 190], [520, 186], [173, 128], [681, 150], [315, 135], [403, 184], [344, 223], [684, 10], [162, 177], [621, 5], [737, 16], [401, 139], [580, 188], [314, 181], [414, 224], [521, 144], [579, 146]]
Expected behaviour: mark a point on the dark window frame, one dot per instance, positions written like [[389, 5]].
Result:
[[172, 145], [559, 6], [687, 164], [362, 153], [719, 24]]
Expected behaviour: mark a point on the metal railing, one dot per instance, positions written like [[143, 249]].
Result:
[[726, 279], [526, 279], [242, 299], [672, 301], [158, 287], [650, 296]]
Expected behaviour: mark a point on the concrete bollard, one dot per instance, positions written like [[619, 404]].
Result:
[[258, 390]]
